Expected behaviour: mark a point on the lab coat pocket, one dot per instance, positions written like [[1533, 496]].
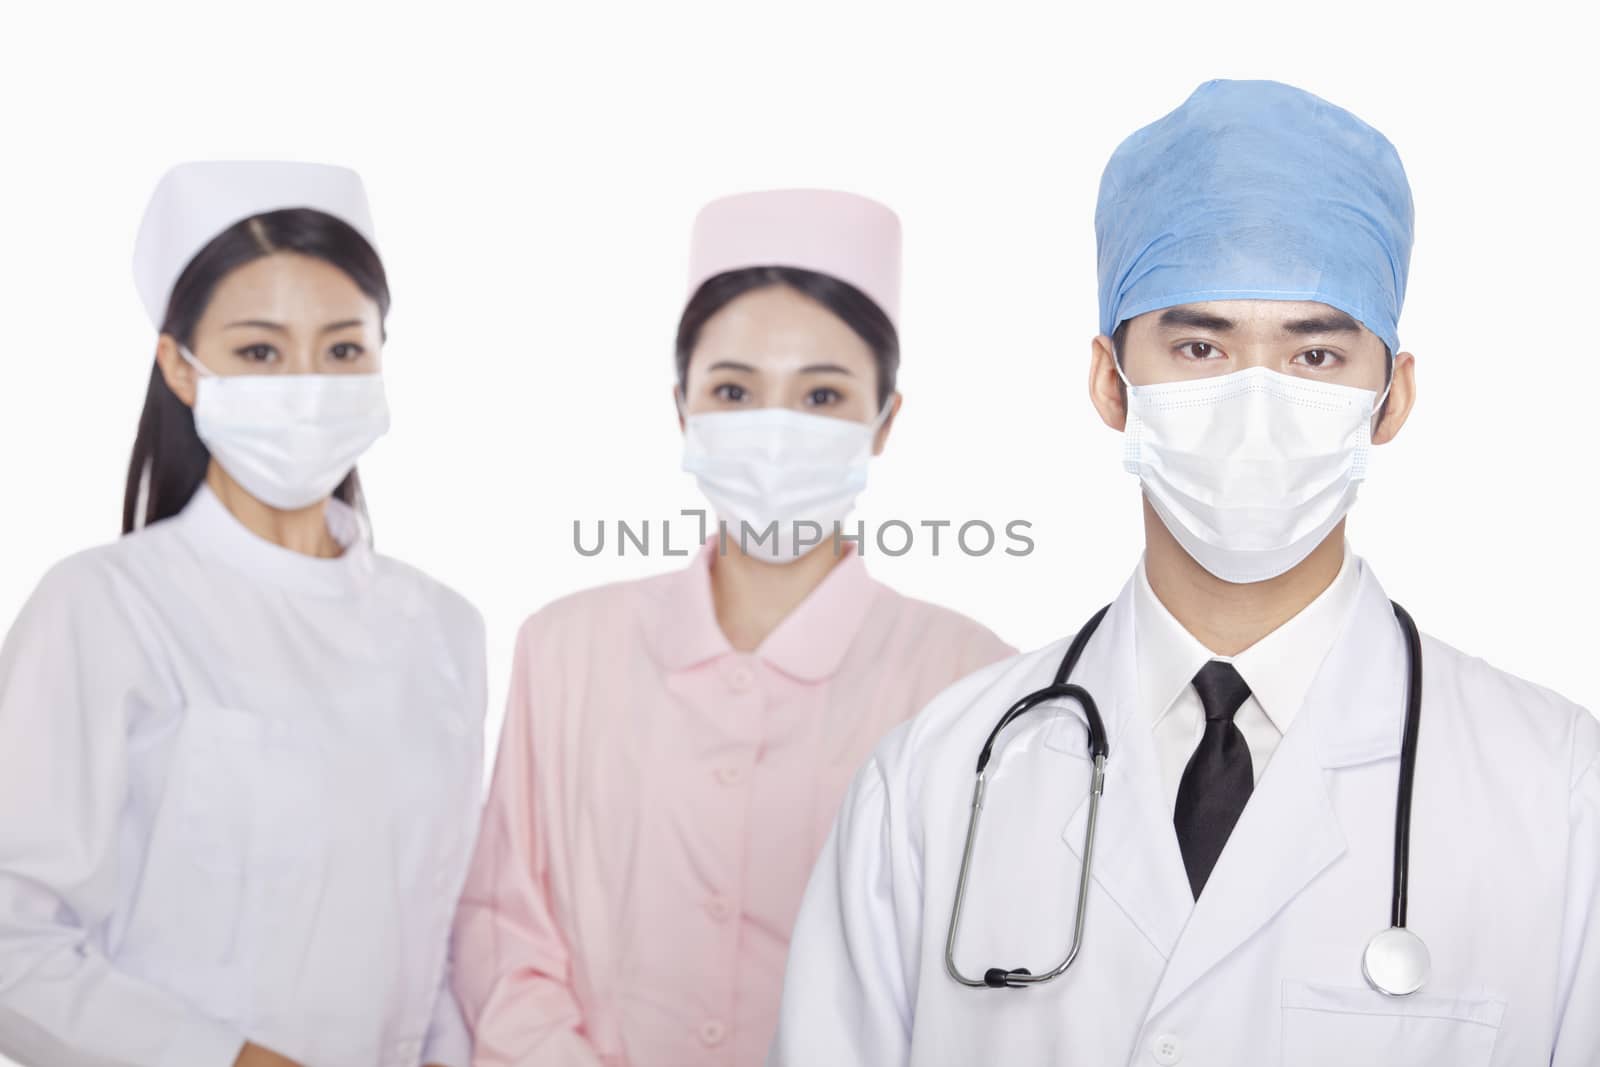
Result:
[[1335, 1026]]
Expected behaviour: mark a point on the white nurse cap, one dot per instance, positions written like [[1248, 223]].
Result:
[[194, 202]]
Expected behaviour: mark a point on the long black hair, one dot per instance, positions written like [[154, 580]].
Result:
[[169, 460], [859, 311]]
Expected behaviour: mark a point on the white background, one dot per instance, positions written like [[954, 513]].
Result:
[[534, 172]]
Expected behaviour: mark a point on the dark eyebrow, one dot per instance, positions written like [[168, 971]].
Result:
[[263, 324], [814, 368], [1330, 321], [1195, 319]]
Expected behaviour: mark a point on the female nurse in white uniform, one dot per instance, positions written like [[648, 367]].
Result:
[[242, 749]]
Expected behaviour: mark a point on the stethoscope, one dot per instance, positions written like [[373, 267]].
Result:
[[1395, 962]]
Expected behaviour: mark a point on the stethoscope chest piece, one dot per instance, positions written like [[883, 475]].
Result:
[[1396, 962]]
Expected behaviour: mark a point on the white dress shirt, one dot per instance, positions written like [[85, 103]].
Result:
[[236, 802], [1279, 670]]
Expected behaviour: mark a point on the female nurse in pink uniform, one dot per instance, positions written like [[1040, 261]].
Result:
[[675, 748]]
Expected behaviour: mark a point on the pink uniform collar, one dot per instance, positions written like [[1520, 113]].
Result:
[[809, 644]]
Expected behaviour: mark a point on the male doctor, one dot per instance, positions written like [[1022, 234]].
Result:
[[1252, 676]]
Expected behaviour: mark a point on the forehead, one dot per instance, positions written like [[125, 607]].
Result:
[[774, 323], [1260, 317], [286, 286]]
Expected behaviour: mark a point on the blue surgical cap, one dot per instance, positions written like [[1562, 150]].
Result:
[[1255, 190]]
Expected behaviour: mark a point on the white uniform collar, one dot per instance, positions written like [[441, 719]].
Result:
[[1279, 668], [214, 531]]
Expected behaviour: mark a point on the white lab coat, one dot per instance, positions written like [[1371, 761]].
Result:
[[237, 794], [1265, 968]]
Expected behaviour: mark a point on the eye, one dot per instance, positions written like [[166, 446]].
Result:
[[1319, 358], [822, 396], [261, 353], [345, 351], [1199, 350], [732, 392]]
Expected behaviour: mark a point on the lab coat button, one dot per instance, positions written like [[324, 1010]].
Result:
[[719, 908], [712, 1033], [1167, 1049]]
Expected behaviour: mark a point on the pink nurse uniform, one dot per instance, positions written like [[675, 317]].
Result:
[[658, 801]]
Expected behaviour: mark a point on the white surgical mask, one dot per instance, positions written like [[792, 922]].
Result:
[[288, 439], [769, 467], [1249, 471]]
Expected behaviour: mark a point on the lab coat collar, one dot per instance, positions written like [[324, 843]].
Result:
[[1289, 832], [809, 643], [1357, 701], [214, 532]]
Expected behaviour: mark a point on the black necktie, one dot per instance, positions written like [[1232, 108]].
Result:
[[1218, 779]]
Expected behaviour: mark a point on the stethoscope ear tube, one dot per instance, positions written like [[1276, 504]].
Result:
[[1021, 977], [1060, 688], [1091, 713]]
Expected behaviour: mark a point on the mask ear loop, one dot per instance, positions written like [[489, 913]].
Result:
[[1116, 362], [1377, 405], [882, 416], [200, 368]]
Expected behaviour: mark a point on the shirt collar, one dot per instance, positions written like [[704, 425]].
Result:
[[1279, 668], [808, 644], [214, 531], [1168, 656]]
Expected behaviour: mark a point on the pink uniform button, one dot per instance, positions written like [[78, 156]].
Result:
[[730, 775], [713, 1032], [719, 908], [740, 678]]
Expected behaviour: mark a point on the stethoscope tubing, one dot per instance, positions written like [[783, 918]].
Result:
[[1408, 768]]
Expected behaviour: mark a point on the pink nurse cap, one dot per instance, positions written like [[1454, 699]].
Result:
[[845, 236]]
